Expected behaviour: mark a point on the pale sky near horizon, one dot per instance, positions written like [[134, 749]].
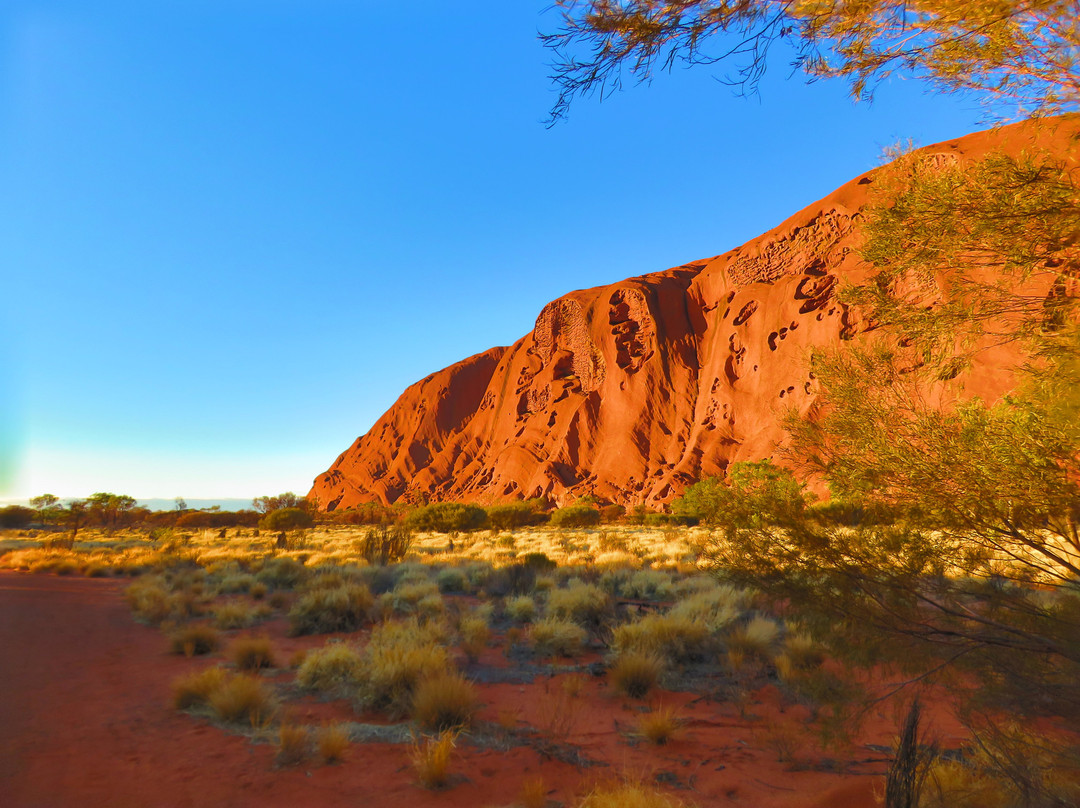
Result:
[[233, 232]]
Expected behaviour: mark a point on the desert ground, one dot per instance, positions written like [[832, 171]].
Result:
[[102, 644]]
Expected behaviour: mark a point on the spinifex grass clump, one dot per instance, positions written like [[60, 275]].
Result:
[[233, 614], [431, 760], [335, 606], [234, 698], [555, 637], [195, 639], [397, 658], [670, 637], [336, 667], [332, 743], [659, 726], [444, 701], [629, 795], [584, 604], [252, 653], [635, 673], [294, 744]]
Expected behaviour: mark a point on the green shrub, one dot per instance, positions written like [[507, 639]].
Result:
[[447, 517], [513, 515], [287, 519], [16, 517], [575, 516]]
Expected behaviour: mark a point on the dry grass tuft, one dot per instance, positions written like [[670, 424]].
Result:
[[475, 635], [334, 667], [670, 637], [555, 637], [234, 614], [294, 744], [628, 795], [194, 689], [243, 699], [431, 760], [194, 640], [635, 673], [533, 793], [331, 606], [252, 653], [659, 726], [333, 741], [445, 701]]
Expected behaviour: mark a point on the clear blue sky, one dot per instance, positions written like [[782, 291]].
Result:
[[232, 232]]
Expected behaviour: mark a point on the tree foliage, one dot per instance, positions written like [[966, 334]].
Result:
[[755, 494], [287, 519], [1023, 53], [268, 504], [447, 517]]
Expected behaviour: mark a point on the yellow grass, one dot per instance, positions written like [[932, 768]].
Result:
[[431, 760]]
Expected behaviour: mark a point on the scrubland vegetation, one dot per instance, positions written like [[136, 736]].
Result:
[[642, 610]]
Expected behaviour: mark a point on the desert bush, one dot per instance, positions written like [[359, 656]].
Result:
[[556, 637], [385, 544], [575, 516], [447, 517], [408, 595], [715, 606], [332, 742], [669, 637], [431, 759], [755, 639], [659, 726], [258, 590], [444, 701], [452, 579], [628, 795], [585, 604], [194, 689], [294, 744], [514, 515], [287, 519], [801, 652], [335, 667], [648, 585], [521, 609], [252, 653], [610, 514], [513, 579], [397, 658], [194, 640], [475, 635], [16, 517], [635, 673], [243, 698], [324, 610], [282, 573], [149, 599], [235, 582], [233, 614]]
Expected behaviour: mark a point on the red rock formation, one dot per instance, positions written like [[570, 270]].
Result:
[[633, 390]]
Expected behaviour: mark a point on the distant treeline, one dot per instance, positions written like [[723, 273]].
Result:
[[752, 492]]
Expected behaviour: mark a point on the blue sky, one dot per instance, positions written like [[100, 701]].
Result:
[[233, 232]]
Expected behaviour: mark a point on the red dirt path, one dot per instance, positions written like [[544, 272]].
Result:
[[85, 720]]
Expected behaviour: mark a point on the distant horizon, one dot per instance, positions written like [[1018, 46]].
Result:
[[160, 503]]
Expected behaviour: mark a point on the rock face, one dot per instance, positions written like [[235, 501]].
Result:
[[632, 391]]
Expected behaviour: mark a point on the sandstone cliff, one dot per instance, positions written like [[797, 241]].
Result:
[[633, 390]]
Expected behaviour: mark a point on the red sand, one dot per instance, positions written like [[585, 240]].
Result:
[[85, 720]]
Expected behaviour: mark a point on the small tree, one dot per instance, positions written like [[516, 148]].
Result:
[[756, 494], [47, 507]]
